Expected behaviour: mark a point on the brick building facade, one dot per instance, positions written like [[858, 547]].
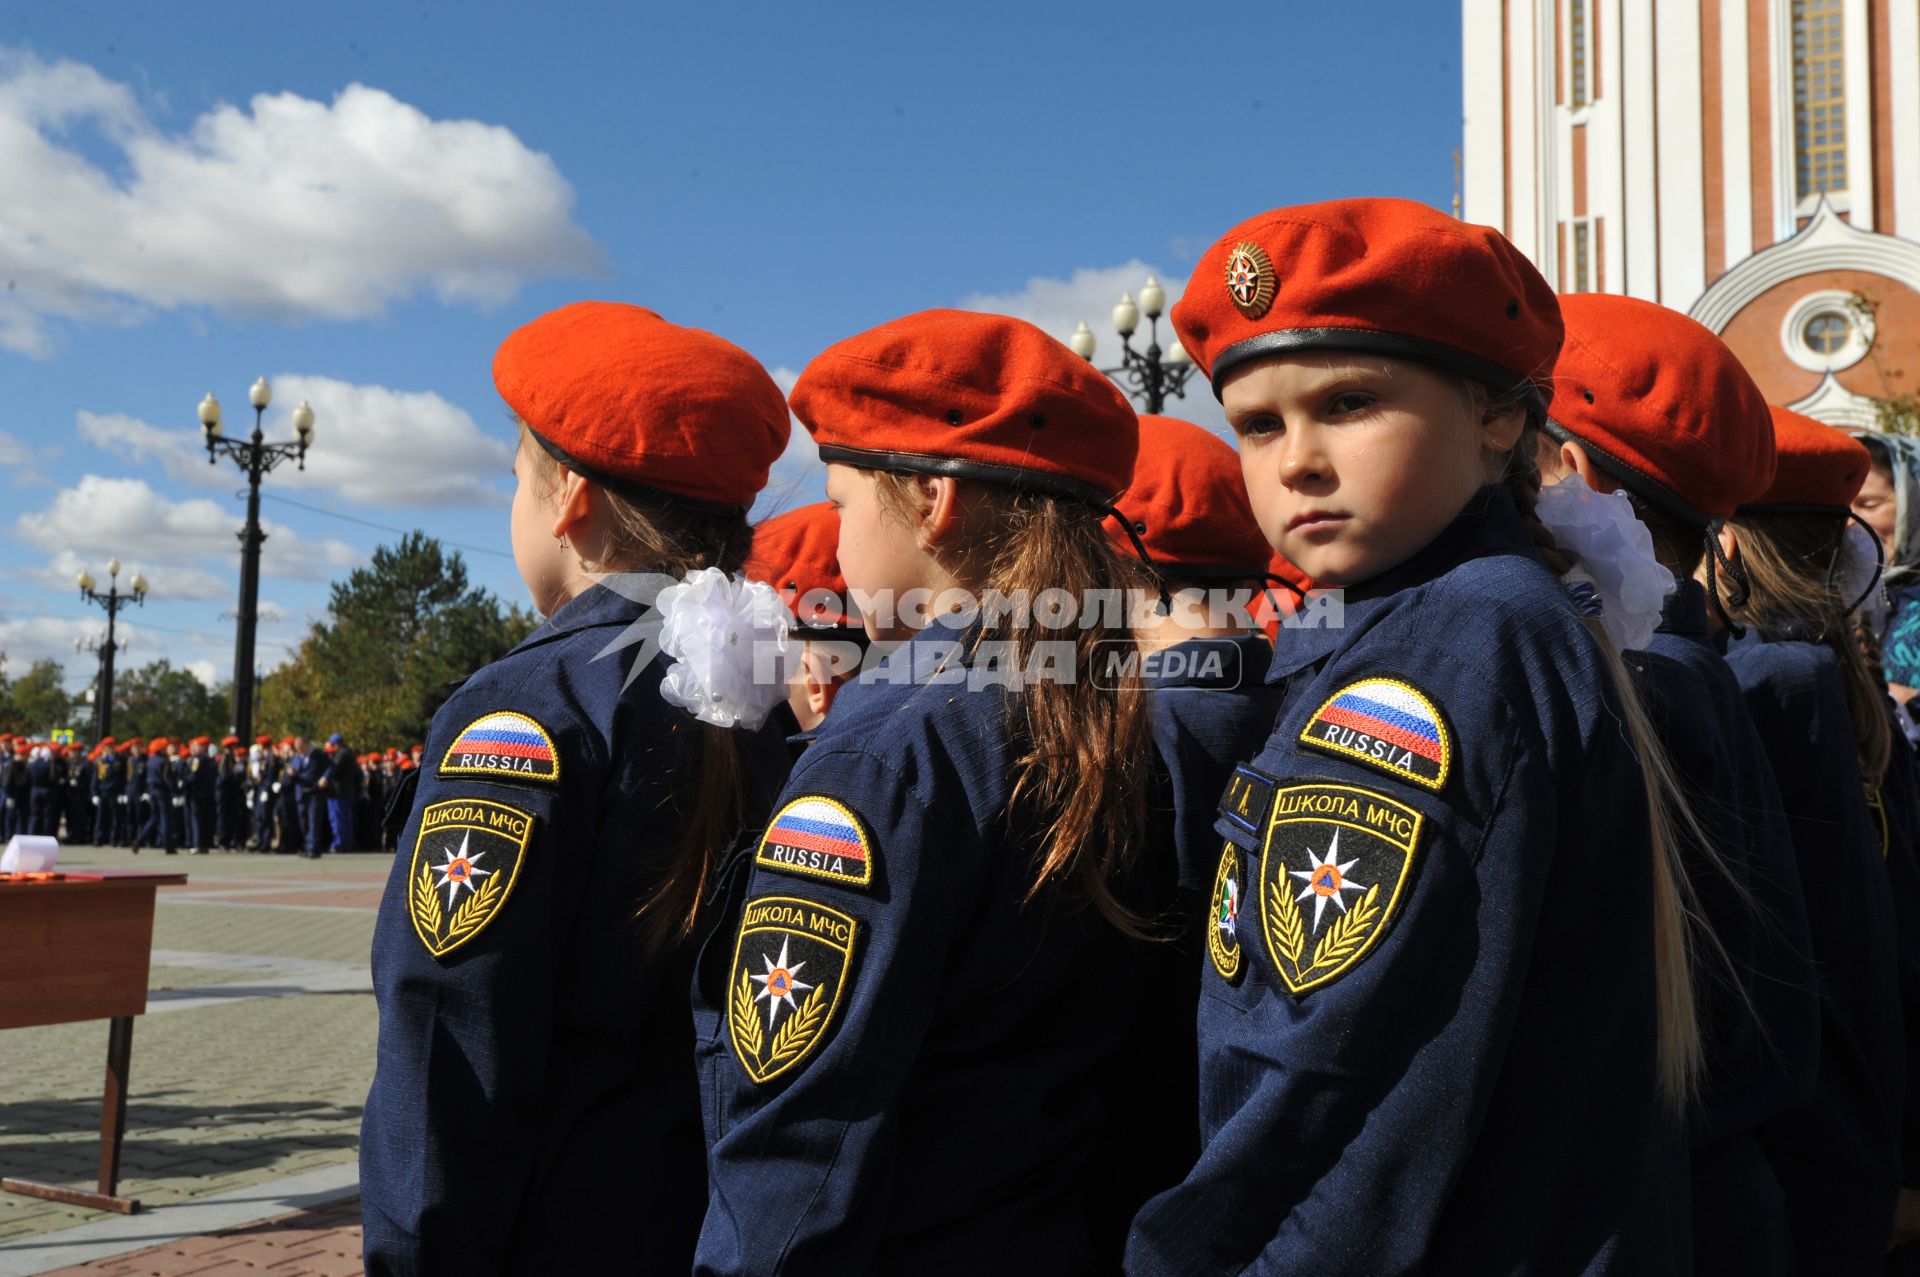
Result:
[[1755, 163]]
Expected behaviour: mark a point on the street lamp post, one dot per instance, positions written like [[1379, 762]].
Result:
[[1151, 375], [255, 457], [113, 600]]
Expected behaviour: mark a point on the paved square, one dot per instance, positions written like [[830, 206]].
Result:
[[251, 1064]]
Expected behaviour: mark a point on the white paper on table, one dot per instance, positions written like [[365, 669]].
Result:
[[30, 854]]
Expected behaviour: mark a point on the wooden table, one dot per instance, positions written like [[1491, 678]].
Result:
[[78, 948]]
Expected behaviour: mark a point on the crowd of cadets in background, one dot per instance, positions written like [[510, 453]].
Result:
[[289, 796]]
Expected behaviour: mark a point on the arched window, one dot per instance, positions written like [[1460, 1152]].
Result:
[[1819, 96]]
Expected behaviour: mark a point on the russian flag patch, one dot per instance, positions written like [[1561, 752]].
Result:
[[503, 744], [1388, 725], [818, 837]]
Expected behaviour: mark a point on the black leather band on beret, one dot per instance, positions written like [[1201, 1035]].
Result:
[[1292, 341], [632, 489], [1634, 479], [963, 468], [1211, 573], [1794, 507]]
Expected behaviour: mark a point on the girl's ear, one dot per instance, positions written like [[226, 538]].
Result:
[[1500, 434], [575, 500], [938, 497]]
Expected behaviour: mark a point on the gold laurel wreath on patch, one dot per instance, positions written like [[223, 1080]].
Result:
[[426, 902], [1283, 919], [471, 914], [801, 1028], [1347, 933], [747, 1035]]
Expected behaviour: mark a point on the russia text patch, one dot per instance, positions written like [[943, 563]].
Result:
[[468, 851], [1388, 725], [1332, 874], [510, 746], [792, 962], [819, 837]]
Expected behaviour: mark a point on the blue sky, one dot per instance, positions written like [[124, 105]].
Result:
[[360, 201]]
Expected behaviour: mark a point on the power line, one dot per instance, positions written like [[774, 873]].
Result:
[[380, 527]]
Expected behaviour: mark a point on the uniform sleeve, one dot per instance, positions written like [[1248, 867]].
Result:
[[1389, 918], [488, 872], [807, 1138]]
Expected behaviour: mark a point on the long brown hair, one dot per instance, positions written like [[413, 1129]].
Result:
[[1678, 928], [1079, 777], [708, 787], [1786, 558]]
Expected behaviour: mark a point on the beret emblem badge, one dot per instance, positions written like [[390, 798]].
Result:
[[1250, 279]]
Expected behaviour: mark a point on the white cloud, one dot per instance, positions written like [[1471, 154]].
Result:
[[288, 207], [101, 517], [59, 573], [204, 671], [372, 445], [1088, 296]]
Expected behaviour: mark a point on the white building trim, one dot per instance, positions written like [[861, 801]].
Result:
[[1903, 78], [1859, 115], [1634, 75], [1829, 242], [1785, 171], [1683, 214], [1483, 167], [1606, 196], [1793, 336], [1834, 404], [1736, 131]]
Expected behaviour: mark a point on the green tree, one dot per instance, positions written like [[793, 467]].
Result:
[[37, 702], [1894, 413], [398, 634], [159, 700]]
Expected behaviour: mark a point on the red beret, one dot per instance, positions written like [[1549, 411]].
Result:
[[626, 399], [158, 742], [1821, 468], [799, 552], [1188, 496], [1379, 276], [263, 740], [201, 740], [972, 395], [1663, 406]]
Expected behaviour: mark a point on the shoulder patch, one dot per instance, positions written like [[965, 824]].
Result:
[[1223, 922], [1388, 725], [505, 745], [819, 837], [1245, 801], [1345, 851], [1877, 808], [469, 851], [792, 963]]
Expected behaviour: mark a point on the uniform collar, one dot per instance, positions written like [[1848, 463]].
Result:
[[1488, 524], [1685, 611], [594, 606]]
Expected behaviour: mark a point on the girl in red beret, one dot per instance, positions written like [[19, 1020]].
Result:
[[535, 1109], [910, 1019], [1461, 1032], [1794, 573]]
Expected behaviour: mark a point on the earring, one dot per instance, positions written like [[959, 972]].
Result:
[[562, 539]]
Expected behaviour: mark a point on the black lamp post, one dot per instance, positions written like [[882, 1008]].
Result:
[[1150, 376], [112, 600], [255, 457]]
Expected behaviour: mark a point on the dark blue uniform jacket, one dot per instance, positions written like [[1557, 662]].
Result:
[[1759, 1011], [1837, 1156], [1465, 1081], [938, 1107], [534, 1107]]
